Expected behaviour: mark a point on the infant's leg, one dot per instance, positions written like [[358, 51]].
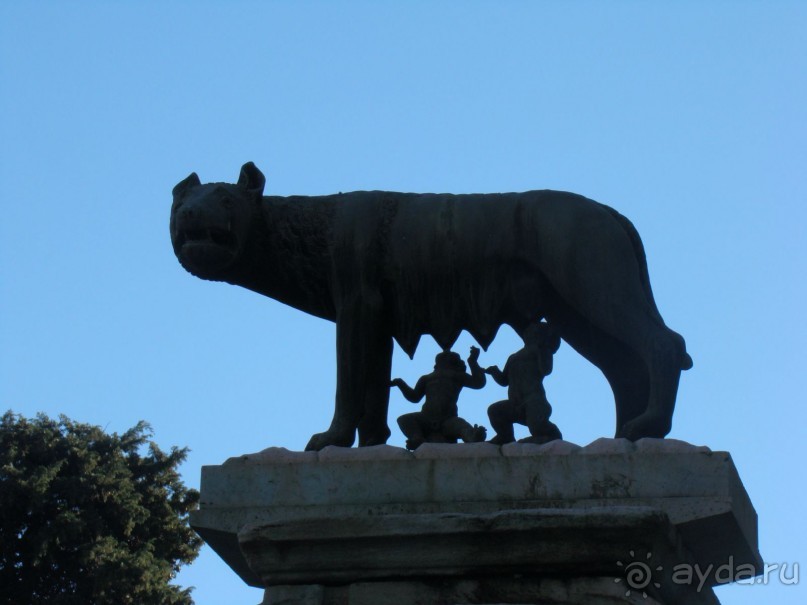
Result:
[[412, 428], [459, 428], [502, 415]]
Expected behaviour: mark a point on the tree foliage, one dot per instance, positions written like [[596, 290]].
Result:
[[90, 518]]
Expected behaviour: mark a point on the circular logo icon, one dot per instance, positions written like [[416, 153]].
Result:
[[638, 575]]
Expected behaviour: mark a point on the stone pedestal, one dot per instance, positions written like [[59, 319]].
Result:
[[612, 522]]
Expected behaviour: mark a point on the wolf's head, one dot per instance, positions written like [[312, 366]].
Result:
[[210, 223]]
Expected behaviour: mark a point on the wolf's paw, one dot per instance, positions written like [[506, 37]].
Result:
[[645, 425], [330, 437]]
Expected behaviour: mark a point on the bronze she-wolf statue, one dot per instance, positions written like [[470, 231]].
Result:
[[386, 265]]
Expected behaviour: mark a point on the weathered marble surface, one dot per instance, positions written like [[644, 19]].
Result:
[[341, 523], [567, 591]]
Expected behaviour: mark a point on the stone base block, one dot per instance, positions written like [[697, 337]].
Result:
[[613, 522], [570, 591]]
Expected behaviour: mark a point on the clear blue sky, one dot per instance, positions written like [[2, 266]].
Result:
[[690, 118]]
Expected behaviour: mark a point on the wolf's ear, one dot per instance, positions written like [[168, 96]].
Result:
[[252, 179], [183, 186]]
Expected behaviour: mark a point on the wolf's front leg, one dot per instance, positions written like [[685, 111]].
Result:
[[373, 428], [363, 361]]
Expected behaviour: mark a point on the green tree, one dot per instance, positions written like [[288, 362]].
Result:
[[91, 518]]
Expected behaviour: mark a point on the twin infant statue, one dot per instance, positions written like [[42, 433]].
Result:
[[526, 403]]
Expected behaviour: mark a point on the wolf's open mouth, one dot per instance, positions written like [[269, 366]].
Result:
[[206, 249], [214, 235]]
